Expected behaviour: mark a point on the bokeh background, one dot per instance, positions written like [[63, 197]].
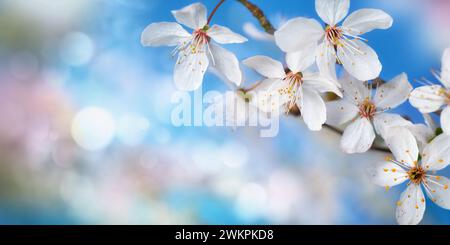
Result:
[[86, 136]]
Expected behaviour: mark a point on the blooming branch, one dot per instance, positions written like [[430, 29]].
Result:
[[358, 101]]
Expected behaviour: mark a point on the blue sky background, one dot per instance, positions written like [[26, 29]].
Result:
[[57, 61]]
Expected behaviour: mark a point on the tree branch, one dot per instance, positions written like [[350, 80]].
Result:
[[259, 15]]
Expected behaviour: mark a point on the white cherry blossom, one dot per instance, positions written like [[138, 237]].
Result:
[[361, 109], [295, 86], [196, 50], [406, 165], [336, 42], [431, 98]]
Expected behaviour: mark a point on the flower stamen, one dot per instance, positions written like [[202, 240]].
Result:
[[367, 109], [417, 175], [294, 81]]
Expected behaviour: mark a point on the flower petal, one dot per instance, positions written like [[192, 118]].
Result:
[[411, 206], [316, 82], [438, 190], [332, 11], [298, 33], [430, 122], [365, 20], [387, 174], [192, 16], [354, 90], [265, 66], [385, 123], [223, 35], [358, 136], [226, 63], [164, 34], [299, 61], [403, 146], [189, 70], [445, 120], [445, 70], [427, 98], [436, 155], [267, 98], [326, 60], [340, 112], [423, 135], [313, 110], [359, 59], [393, 93]]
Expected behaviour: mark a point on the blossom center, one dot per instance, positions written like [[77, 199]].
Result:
[[200, 38], [333, 34], [294, 80], [367, 109], [416, 175], [446, 94]]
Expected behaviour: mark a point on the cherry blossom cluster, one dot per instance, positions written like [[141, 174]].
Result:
[[313, 51]]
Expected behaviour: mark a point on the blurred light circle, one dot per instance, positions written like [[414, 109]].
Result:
[[162, 136], [76, 49], [93, 128], [251, 201], [233, 154], [24, 65], [132, 129]]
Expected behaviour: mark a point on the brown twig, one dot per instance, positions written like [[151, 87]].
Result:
[[259, 15], [214, 11]]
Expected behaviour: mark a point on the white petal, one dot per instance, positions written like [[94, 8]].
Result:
[[427, 98], [430, 122], [436, 155], [411, 206], [297, 34], [393, 93], [403, 146], [438, 190], [445, 120], [365, 20], [386, 174], [299, 61], [445, 70], [386, 123], [224, 35], [340, 112], [164, 34], [359, 59], [358, 136], [266, 96], [315, 81], [354, 90], [265, 66], [423, 134], [189, 70], [332, 11], [226, 63], [313, 110], [326, 60], [192, 16]]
